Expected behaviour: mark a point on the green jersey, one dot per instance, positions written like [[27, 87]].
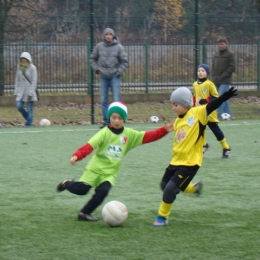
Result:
[[111, 148]]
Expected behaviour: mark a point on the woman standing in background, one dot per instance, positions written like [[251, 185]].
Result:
[[25, 87]]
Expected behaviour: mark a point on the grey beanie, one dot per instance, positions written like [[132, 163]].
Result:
[[109, 30], [182, 96]]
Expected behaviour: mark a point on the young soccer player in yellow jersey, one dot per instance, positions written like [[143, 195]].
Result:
[[189, 131], [111, 143], [204, 91]]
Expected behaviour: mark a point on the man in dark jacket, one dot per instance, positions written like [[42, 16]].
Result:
[[109, 60], [223, 66]]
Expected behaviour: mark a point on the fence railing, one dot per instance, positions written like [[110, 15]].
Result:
[[152, 66]]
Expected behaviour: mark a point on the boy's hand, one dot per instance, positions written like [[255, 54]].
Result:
[[73, 159], [203, 101], [229, 94], [169, 127]]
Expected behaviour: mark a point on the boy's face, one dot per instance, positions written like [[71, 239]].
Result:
[[202, 74], [179, 109], [116, 121], [109, 37]]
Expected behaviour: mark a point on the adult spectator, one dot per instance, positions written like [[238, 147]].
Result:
[[109, 60], [25, 87], [223, 66]]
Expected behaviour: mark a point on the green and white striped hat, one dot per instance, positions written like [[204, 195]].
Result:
[[118, 107]]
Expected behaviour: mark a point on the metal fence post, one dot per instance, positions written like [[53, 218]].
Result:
[[146, 45], [258, 65], [204, 50], [88, 70], [196, 36], [27, 45]]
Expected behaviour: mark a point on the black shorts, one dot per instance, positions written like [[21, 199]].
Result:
[[180, 175]]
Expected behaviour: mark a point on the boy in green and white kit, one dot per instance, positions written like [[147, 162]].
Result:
[[113, 142]]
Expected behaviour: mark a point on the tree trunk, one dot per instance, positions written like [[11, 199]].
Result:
[[2, 22], [2, 64]]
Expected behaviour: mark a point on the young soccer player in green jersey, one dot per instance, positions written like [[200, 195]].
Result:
[[189, 132], [204, 91], [112, 143]]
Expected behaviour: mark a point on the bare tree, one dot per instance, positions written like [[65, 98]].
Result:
[[5, 7]]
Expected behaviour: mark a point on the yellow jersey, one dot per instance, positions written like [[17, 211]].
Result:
[[205, 90], [189, 134]]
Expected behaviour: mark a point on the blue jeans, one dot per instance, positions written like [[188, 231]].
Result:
[[114, 85], [27, 114], [224, 107]]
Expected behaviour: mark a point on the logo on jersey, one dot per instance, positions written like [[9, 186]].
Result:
[[123, 139], [181, 135], [114, 151], [191, 121]]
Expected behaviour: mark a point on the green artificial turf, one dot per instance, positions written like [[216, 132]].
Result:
[[38, 223]]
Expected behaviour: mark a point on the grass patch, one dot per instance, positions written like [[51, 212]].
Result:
[[38, 223]]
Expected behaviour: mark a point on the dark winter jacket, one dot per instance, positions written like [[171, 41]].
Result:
[[109, 58], [223, 65]]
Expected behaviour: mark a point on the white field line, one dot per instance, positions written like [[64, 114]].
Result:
[[142, 127]]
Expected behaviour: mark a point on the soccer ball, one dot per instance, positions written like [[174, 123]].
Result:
[[45, 122], [225, 116], [154, 119], [114, 213]]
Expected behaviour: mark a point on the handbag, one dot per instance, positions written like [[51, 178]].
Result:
[[37, 92]]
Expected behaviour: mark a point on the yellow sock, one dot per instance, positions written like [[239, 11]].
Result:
[[190, 188], [224, 144], [165, 209]]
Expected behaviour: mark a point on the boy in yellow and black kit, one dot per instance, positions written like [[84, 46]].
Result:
[[205, 91], [187, 152]]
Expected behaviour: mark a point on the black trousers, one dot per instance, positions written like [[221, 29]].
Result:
[[213, 126], [176, 179], [81, 188]]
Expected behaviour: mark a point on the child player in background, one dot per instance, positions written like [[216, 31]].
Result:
[[189, 134], [204, 91], [111, 143]]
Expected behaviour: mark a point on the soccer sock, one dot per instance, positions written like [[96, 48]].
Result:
[[224, 144], [190, 188], [165, 209]]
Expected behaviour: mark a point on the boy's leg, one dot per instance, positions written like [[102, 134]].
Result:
[[195, 188], [101, 193], [221, 138], [179, 181], [75, 187]]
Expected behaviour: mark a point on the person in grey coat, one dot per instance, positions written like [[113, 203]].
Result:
[[25, 87], [109, 60]]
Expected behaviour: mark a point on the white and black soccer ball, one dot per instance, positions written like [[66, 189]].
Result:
[[225, 116], [115, 213], [154, 119], [45, 122]]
